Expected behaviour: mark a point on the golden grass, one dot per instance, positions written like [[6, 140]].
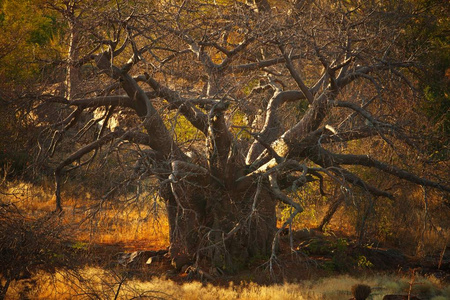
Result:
[[127, 227], [136, 228], [95, 283], [139, 225]]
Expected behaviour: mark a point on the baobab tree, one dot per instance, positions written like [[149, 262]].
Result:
[[234, 107]]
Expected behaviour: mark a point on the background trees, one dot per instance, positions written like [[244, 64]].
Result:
[[228, 108]]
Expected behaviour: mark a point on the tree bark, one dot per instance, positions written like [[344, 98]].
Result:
[[332, 209], [208, 219]]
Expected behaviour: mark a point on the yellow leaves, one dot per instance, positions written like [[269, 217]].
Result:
[[218, 57], [235, 37]]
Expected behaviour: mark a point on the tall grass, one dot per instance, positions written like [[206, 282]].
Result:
[[136, 223], [96, 283], [133, 223]]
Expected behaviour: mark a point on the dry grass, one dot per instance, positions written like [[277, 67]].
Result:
[[95, 283], [137, 224], [133, 224]]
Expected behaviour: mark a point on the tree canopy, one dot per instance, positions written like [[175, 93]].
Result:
[[228, 108]]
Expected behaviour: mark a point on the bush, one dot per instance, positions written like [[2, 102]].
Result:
[[361, 291], [28, 245]]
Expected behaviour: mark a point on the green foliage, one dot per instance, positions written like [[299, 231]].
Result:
[[363, 262], [184, 131], [430, 30], [44, 32], [318, 247], [339, 252], [341, 259], [25, 31], [340, 245], [250, 86], [79, 245]]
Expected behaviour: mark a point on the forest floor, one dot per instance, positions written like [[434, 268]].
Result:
[[324, 267], [112, 255], [315, 256]]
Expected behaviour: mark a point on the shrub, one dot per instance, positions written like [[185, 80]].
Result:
[[361, 291], [28, 245]]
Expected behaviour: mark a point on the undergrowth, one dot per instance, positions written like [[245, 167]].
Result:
[[95, 283], [133, 224]]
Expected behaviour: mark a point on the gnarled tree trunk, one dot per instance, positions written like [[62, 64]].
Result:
[[222, 204]]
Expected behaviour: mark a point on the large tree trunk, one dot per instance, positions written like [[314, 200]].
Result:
[[225, 225]]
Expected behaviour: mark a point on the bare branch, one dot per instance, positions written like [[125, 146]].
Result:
[[272, 125], [354, 134], [162, 140], [75, 156], [365, 160], [310, 122], [191, 172], [296, 76], [121, 101], [364, 70], [192, 114], [281, 196], [360, 110], [259, 65]]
